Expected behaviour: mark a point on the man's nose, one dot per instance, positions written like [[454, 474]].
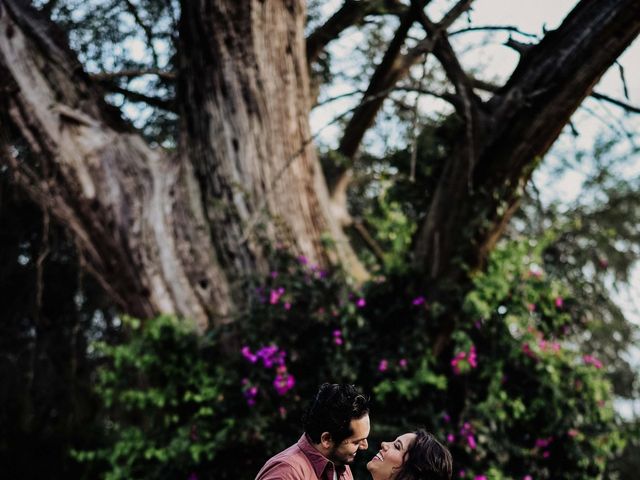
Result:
[[363, 445]]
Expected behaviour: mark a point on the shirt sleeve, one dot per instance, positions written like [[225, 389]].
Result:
[[279, 470]]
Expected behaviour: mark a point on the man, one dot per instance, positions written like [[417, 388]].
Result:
[[336, 426]]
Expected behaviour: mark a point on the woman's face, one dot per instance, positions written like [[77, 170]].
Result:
[[389, 459]]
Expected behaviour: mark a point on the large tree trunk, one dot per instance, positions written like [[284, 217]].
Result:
[[244, 105], [168, 232], [134, 211]]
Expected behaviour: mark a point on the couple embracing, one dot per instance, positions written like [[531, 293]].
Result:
[[336, 427]]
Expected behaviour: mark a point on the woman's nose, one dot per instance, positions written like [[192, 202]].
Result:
[[384, 446]]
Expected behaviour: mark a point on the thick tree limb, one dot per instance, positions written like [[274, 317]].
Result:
[[129, 207], [351, 13], [134, 96], [392, 68], [517, 127], [110, 76]]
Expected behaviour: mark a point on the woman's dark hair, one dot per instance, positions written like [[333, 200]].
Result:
[[425, 459], [332, 409]]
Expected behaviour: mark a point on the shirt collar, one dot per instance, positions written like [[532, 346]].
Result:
[[319, 462]]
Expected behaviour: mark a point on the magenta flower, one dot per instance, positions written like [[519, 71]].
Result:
[[284, 381], [287, 306], [471, 440], [383, 365], [418, 301], [337, 337], [250, 393], [559, 302], [303, 260], [246, 353], [275, 295], [361, 302], [402, 363], [543, 442], [573, 432], [451, 438], [480, 477], [591, 360], [527, 477]]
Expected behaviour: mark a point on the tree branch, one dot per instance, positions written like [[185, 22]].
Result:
[[168, 105], [626, 106], [385, 76], [351, 13], [503, 28], [105, 76]]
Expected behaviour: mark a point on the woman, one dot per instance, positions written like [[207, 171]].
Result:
[[412, 456]]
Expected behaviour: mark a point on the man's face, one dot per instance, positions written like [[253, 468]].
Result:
[[344, 452]]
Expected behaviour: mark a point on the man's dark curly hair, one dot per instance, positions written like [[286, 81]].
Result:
[[332, 409], [425, 459]]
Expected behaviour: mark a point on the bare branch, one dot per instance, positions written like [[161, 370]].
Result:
[[133, 96], [351, 13], [503, 28], [623, 80], [371, 243], [385, 76], [626, 106], [519, 47], [105, 76]]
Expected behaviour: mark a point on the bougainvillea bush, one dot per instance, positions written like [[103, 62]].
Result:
[[511, 393]]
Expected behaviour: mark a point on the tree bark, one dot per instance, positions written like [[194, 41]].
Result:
[[134, 210], [177, 232], [481, 184], [244, 106]]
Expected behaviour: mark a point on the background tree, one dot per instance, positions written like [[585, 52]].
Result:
[[182, 216]]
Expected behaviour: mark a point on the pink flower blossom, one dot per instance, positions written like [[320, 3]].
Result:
[[246, 353], [451, 438], [480, 477], [361, 302], [402, 363], [471, 440], [527, 477], [418, 301], [287, 306], [559, 302], [303, 260], [591, 360], [275, 295], [383, 365], [531, 307], [284, 381], [573, 432], [543, 442]]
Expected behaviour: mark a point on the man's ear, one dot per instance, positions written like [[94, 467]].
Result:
[[325, 440]]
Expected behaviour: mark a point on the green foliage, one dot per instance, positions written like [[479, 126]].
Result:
[[512, 395]]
